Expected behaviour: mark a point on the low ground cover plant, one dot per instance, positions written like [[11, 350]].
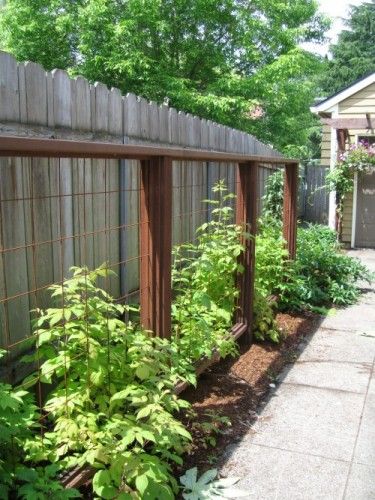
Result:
[[321, 275]]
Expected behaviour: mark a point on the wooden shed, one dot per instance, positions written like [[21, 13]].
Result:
[[349, 117]]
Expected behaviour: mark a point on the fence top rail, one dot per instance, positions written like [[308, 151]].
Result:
[[61, 148]]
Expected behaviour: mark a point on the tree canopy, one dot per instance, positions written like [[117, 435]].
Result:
[[238, 62], [353, 56]]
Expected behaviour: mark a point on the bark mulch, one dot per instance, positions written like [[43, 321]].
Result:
[[236, 388]]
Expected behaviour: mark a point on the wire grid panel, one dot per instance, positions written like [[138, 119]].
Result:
[[55, 214], [192, 184]]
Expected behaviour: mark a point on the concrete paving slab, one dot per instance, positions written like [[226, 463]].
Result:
[[358, 317], [277, 474], [312, 420], [361, 483], [364, 452], [352, 377], [371, 388], [333, 345]]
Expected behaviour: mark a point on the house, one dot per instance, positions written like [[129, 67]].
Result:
[[348, 117]]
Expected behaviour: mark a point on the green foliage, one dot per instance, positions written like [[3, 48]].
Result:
[[18, 477], [206, 432], [239, 63], [270, 268], [264, 326], [359, 158], [41, 482], [320, 275], [324, 274], [353, 56], [203, 277], [112, 400], [207, 487], [270, 258], [273, 199]]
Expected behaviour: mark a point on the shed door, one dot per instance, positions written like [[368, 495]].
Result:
[[365, 225]]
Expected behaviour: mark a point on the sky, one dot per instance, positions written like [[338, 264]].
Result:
[[336, 10]]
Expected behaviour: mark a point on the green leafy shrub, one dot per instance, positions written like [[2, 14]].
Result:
[[270, 273], [264, 326], [270, 258], [19, 478], [203, 277], [320, 275], [112, 400]]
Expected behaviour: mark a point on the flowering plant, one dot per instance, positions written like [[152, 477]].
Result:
[[358, 158]]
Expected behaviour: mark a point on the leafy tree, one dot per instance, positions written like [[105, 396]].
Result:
[[354, 54], [233, 61]]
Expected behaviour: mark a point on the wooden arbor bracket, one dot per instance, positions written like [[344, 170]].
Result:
[[156, 245], [246, 216]]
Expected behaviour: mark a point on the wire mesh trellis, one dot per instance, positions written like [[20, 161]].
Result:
[[56, 213]]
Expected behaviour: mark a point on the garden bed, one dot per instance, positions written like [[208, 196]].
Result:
[[237, 388]]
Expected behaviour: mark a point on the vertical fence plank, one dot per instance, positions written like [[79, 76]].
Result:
[[61, 173], [15, 314], [290, 208], [156, 245], [246, 216], [131, 113], [9, 88]]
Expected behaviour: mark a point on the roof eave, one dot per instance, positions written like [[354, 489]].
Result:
[[330, 102]]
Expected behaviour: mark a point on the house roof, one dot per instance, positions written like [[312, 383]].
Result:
[[327, 103]]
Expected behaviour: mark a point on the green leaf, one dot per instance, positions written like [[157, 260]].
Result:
[[142, 371], [102, 485], [141, 483]]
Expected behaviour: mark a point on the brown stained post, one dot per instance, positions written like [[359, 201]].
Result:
[[156, 245], [290, 208], [246, 216]]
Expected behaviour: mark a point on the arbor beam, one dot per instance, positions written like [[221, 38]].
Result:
[[246, 216], [290, 208], [156, 245]]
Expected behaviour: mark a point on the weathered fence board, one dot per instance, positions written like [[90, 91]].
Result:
[[315, 198]]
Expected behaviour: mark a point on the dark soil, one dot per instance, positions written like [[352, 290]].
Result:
[[236, 388]]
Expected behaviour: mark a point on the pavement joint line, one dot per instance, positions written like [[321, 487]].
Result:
[[358, 430], [316, 455], [338, 361], [330, 389], [342, 329]]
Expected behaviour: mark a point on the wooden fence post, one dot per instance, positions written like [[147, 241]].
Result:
[[156, 245], [246, 216], [290, 208]]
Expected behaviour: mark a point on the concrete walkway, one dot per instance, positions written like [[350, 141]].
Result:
[[315, 437]]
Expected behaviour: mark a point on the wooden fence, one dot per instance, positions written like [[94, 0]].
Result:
[[313, 197], [57, 211]]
